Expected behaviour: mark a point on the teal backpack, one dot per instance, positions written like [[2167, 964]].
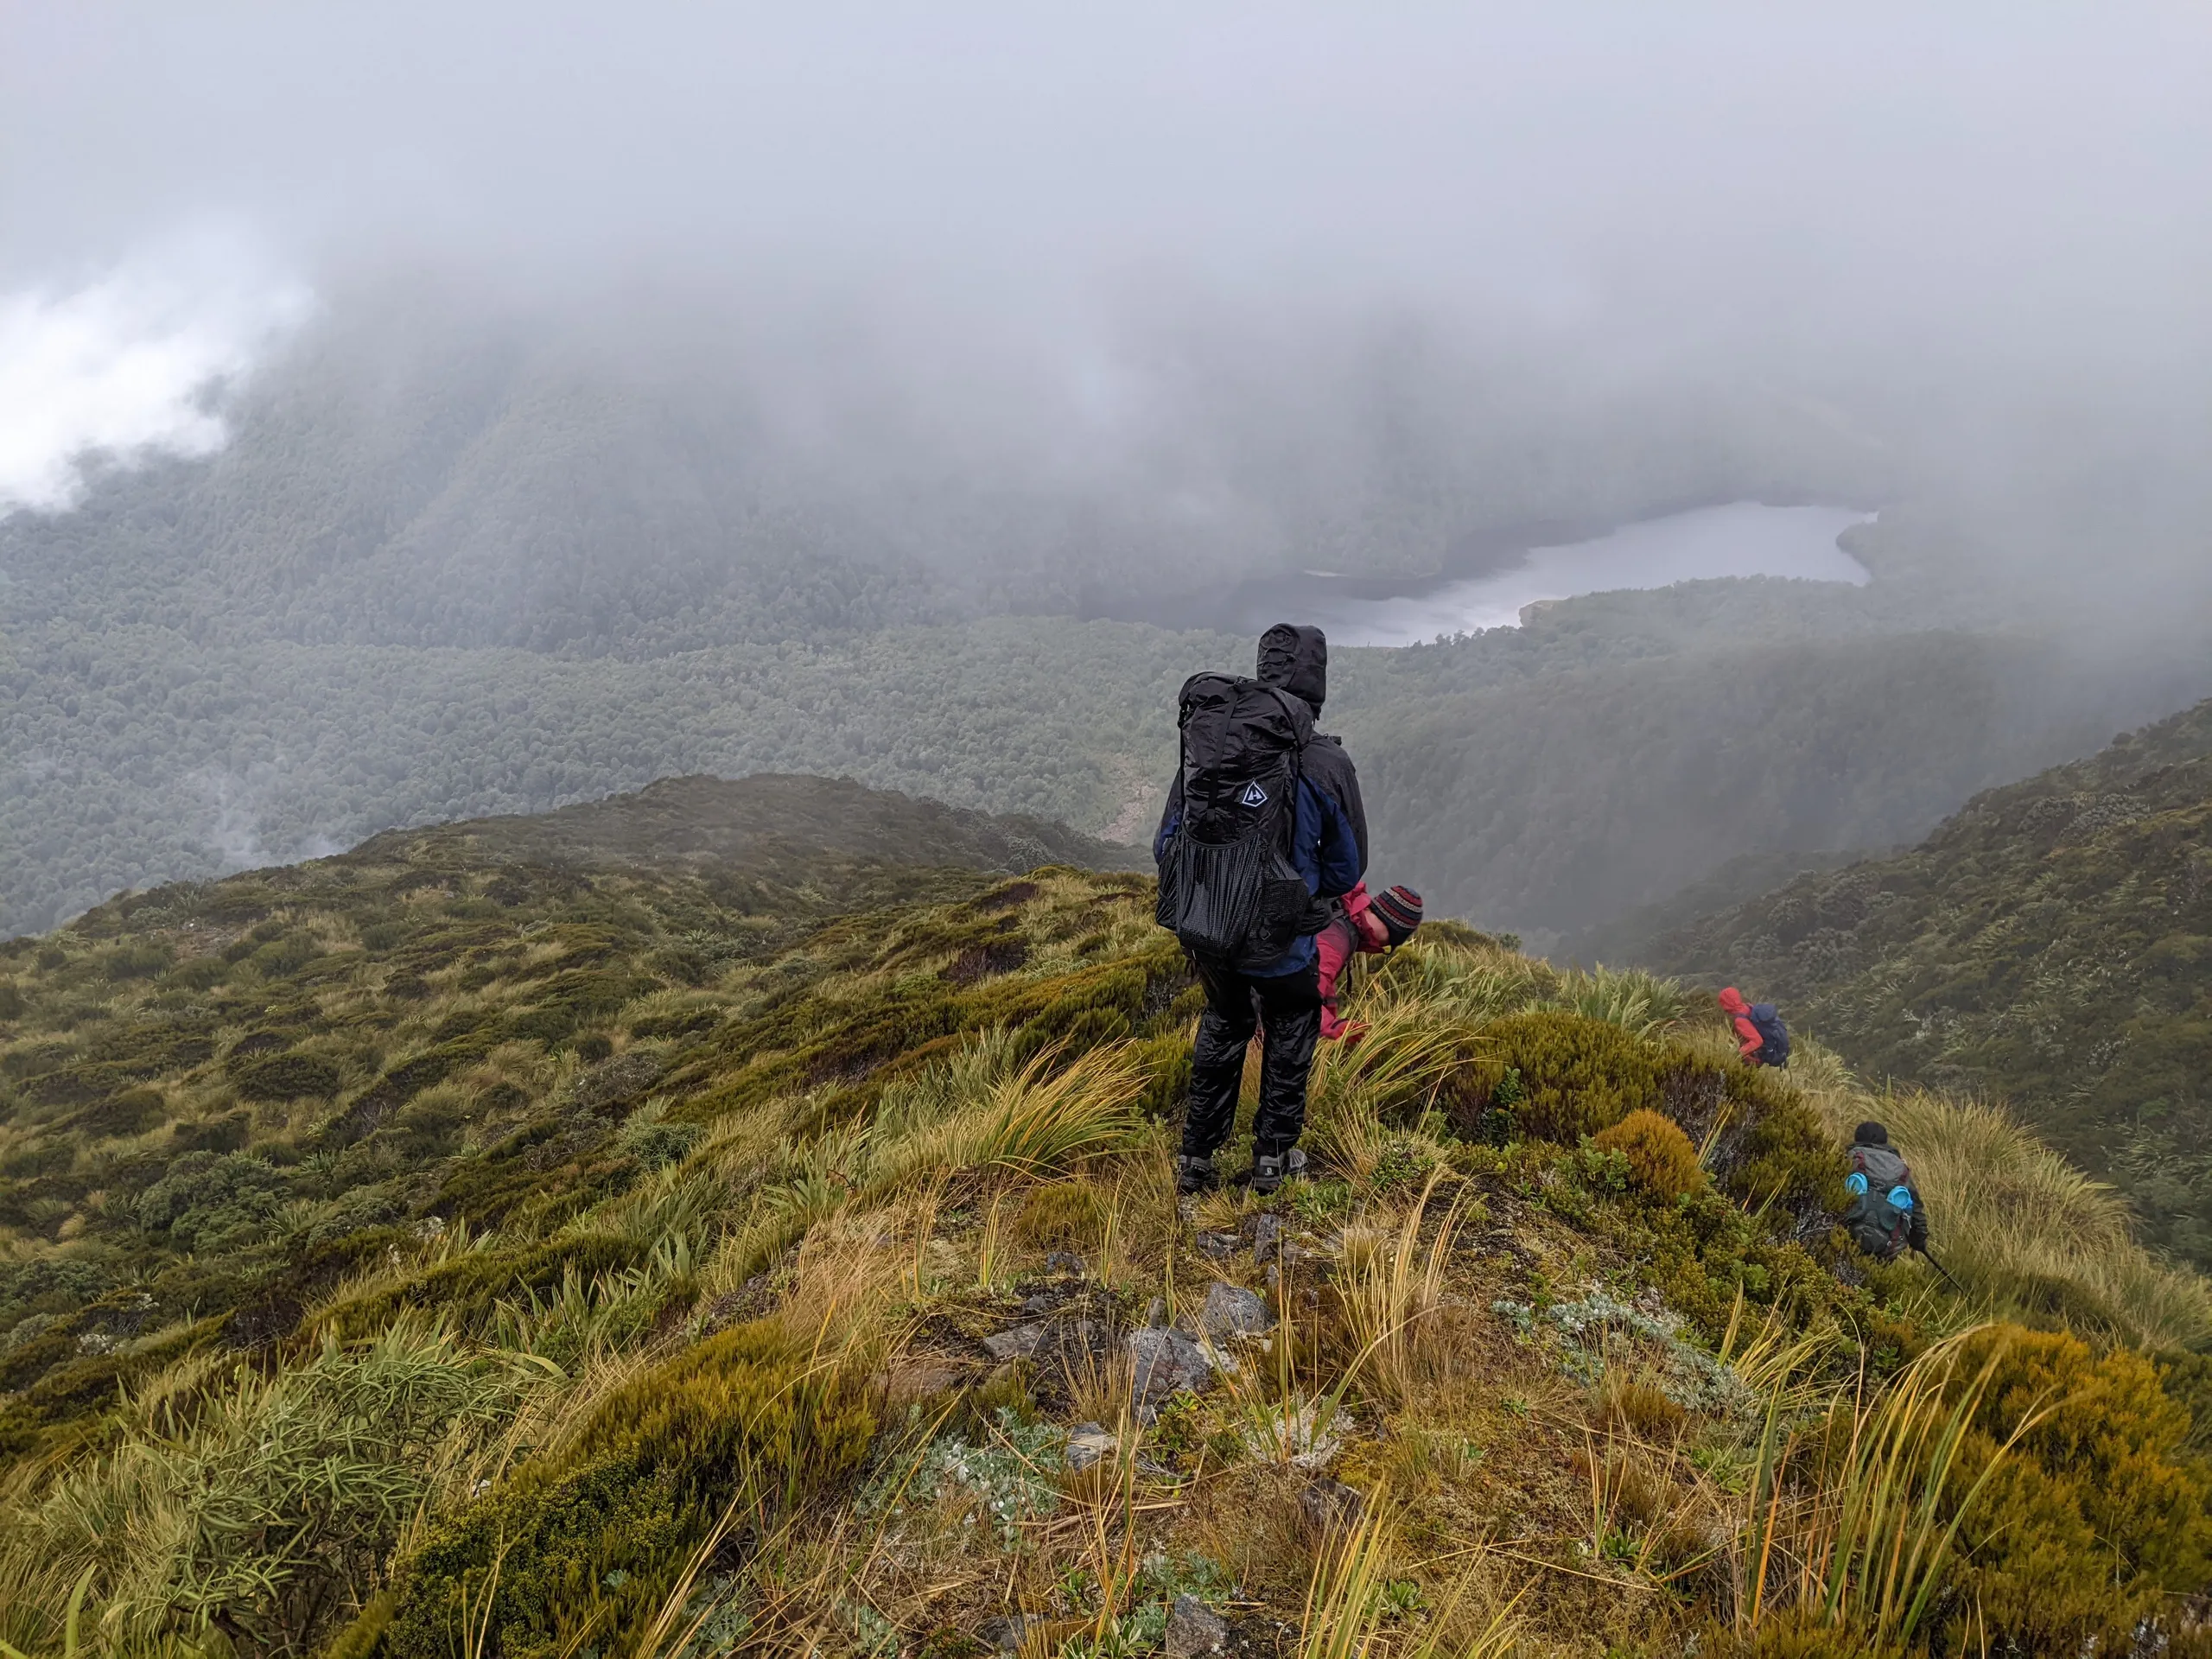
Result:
[[1880, 1216]]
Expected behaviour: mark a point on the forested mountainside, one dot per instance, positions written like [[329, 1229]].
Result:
[[588, 1236], [2048, 946], [446, 567], [133, 757]]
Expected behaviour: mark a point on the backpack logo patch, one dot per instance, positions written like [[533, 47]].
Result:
[[1253, 795]]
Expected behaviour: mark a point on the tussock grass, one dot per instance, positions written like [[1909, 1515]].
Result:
[[1362, 1100], [1033, 1121], [1388, 1289], [1865, 1539], [2028, 1234]]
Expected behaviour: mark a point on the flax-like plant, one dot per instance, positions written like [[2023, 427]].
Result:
[[1644, 1004], [266, 1504], [1344, 1599], [1861, 1538], [1388, 1286]]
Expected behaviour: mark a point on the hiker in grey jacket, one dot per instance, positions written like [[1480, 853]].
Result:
[[1886, 1216]]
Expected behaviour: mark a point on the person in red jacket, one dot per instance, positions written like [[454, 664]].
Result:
[[1761, 1038]]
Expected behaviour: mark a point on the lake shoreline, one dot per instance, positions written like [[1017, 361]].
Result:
[[1256, 603]]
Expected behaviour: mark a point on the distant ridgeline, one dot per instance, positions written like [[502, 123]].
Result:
[[2050, 946], [351, 1022]]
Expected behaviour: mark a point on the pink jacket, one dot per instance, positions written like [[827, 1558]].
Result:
[[1352, 933]]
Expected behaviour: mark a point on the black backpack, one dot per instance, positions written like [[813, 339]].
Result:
[[1774, 1049], [1228, 888]]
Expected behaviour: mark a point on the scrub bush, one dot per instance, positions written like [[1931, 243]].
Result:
[[2100, 1513], [582, 1551], [1660, 1156], [1577, 1076], [210, 1201], [287, 1076]]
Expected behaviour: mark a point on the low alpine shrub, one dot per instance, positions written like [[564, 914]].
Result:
[[2100, 1516], [1576, 1076], [1659, 1157], [582, 1552]]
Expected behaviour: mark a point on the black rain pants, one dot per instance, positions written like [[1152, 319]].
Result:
[[1287, 1009]]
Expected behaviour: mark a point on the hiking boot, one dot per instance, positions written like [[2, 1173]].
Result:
[[1193, 1174], [1270, 1172]]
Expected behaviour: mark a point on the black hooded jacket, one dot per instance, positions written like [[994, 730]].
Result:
[[1297, 659], [1329, 834]]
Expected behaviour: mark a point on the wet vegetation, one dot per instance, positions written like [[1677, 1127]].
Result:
[[543, 1240], [2045, 948]]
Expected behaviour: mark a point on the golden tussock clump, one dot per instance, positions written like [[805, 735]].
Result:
[[1660, 1156]]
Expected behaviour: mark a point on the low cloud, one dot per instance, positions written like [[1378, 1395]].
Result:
[[129, 365]]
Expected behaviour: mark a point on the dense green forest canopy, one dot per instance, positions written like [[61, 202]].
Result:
[[2048, 946]]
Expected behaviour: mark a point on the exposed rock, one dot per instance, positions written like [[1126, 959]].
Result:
[[1019, 1343], [1167, 1362], [1155, 1314], [1062, 1261], [1193, 1628], [1331, 1503], [1219, 1246], [1038, 1304], [1003, 1634], [1267, 1235], [1088, 1443], [1232, 1311]]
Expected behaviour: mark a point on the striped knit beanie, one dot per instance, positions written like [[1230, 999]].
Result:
[[1400, 910]]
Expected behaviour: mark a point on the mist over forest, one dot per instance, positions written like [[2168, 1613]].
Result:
[[755, 395]]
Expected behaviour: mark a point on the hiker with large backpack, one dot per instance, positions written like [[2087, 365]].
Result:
[[1761, 1038], [1263, 826], [1886, 1216]]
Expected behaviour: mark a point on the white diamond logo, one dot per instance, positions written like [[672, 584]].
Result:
[[1253, 795]]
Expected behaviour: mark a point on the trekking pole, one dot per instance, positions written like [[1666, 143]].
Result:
[[1939, 1267]]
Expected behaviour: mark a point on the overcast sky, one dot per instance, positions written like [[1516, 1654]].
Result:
[[1560, 154], [1913, 181]]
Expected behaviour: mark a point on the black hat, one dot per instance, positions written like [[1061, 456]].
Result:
[[1870, 1133], [1399, 910]]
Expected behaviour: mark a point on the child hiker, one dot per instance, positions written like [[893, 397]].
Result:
[[1362, 926]]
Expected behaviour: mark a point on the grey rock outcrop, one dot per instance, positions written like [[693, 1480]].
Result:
[[1193, 1628], [1167, 1362], [1230, 1311]]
